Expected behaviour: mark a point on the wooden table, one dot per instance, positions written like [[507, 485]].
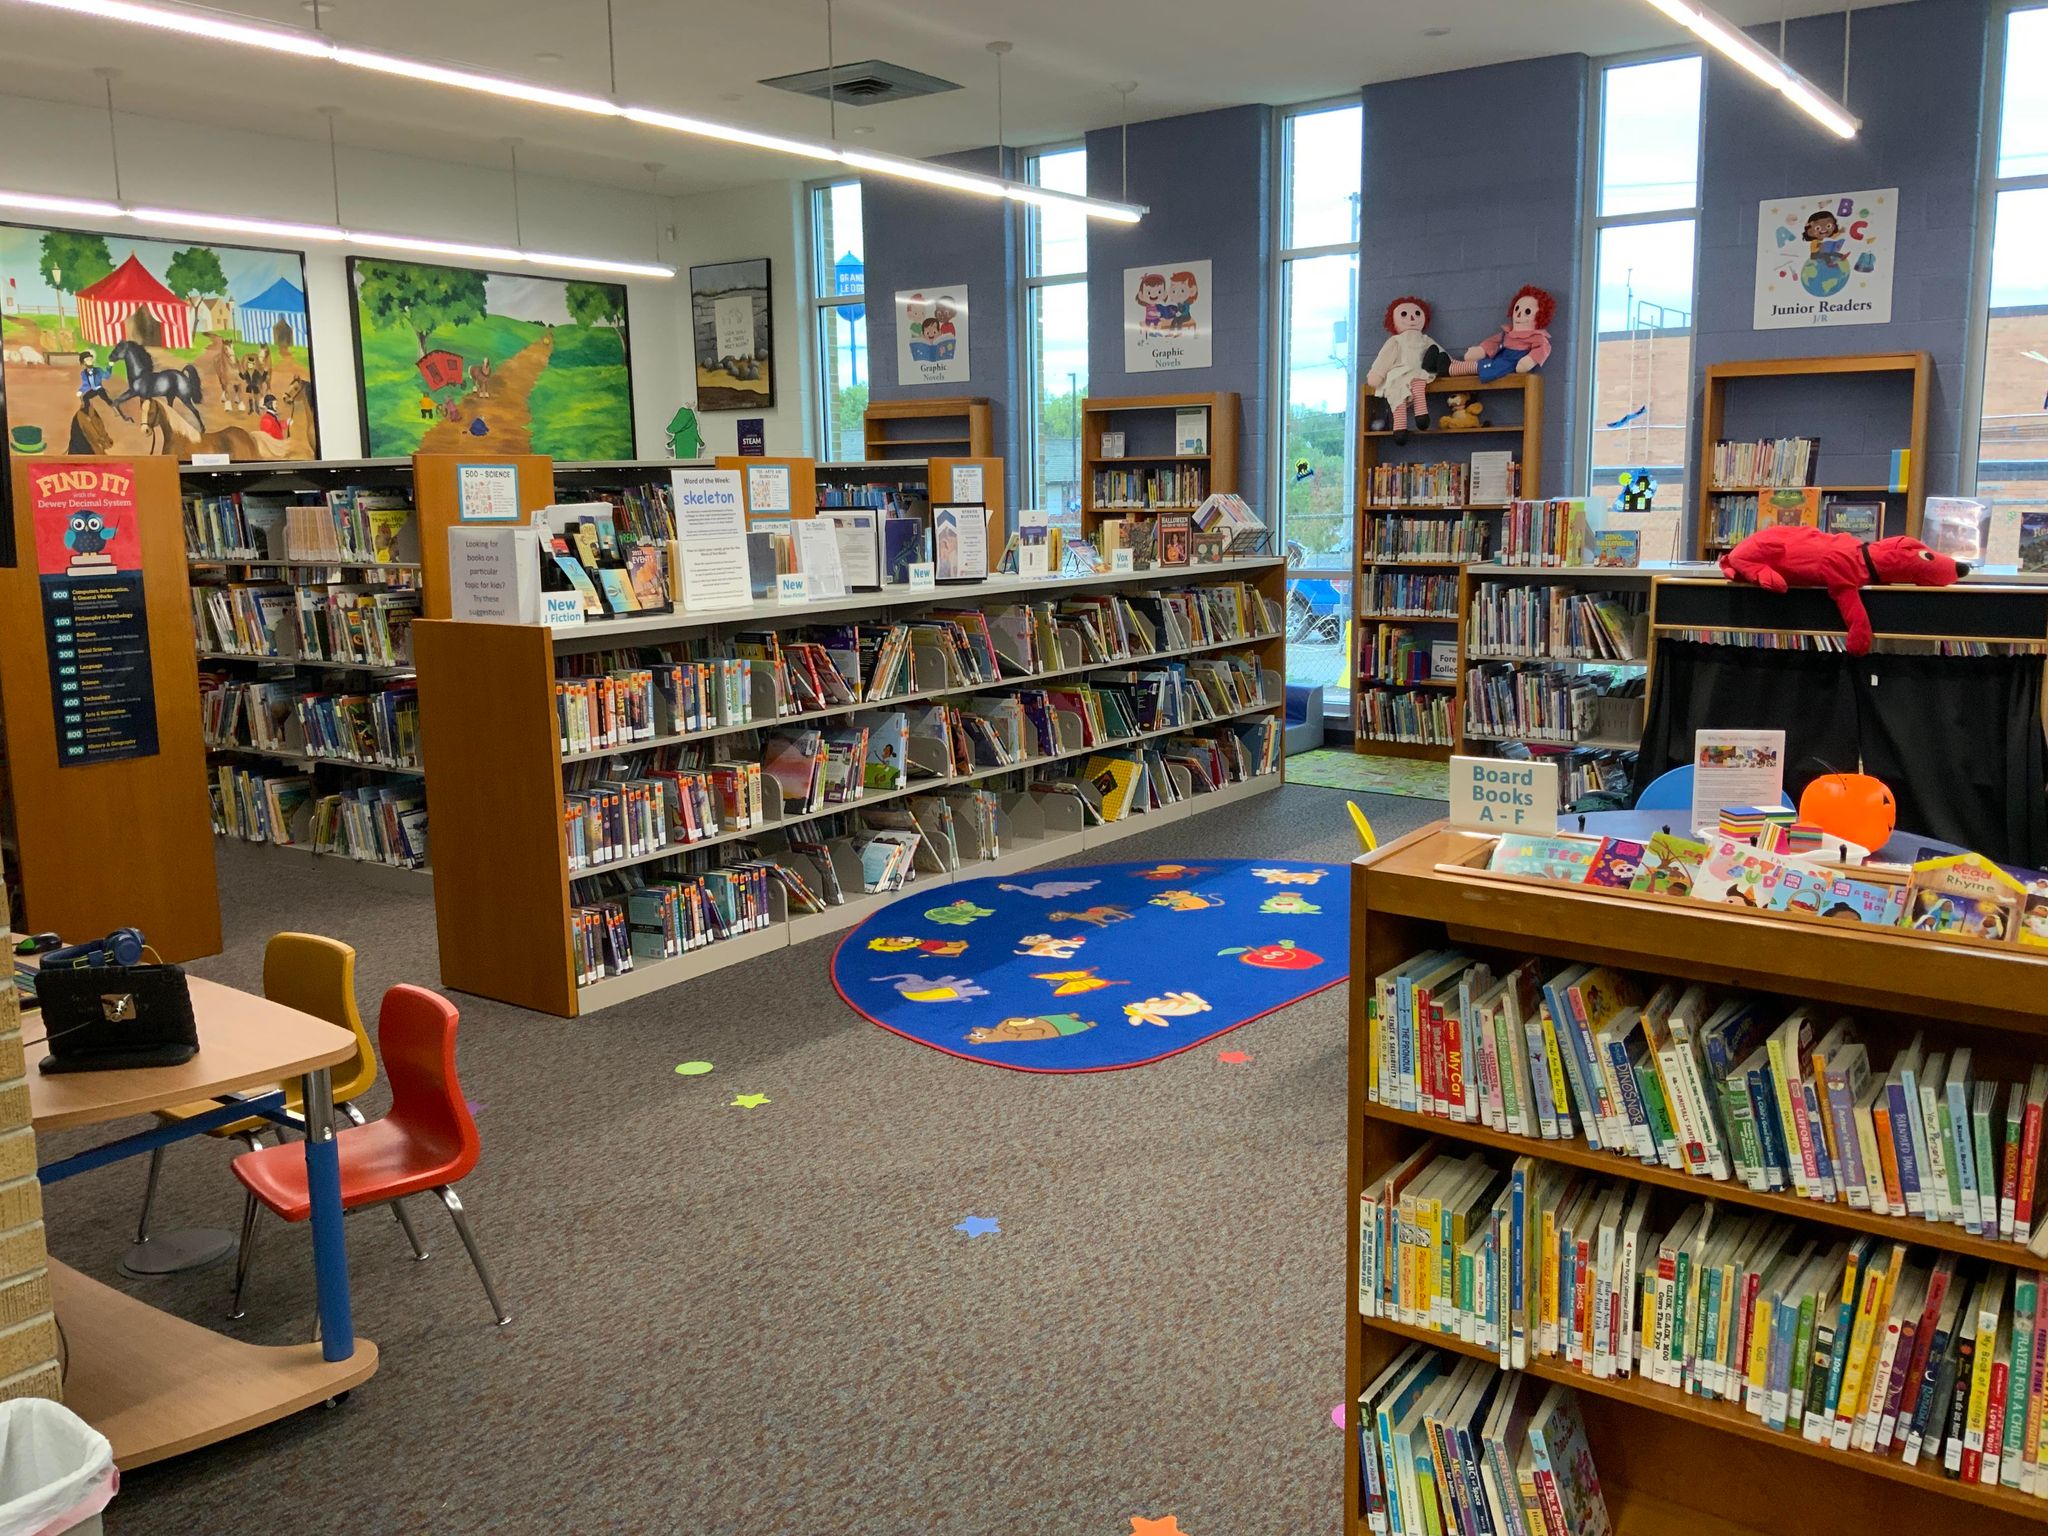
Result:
[[153, 1384]]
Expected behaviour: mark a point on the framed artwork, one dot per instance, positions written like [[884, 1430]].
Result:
[[732, 333], [453, 360], [115, 345]]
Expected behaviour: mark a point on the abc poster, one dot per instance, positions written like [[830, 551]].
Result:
[[95, 613], [1826, 260]]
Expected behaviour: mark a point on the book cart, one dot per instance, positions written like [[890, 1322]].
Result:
[[1516, 404], [1671, 1462], [504, 893], [1873, 406]]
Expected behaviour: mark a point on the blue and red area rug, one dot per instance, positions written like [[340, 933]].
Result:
[[1091, 969]]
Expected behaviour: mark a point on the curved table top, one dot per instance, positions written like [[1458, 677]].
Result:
[[245, 1041]]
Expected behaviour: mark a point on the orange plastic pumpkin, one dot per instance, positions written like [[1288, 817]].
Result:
[[1853, 806]]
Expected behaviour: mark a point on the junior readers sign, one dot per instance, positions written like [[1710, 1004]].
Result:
[[1826, 260]]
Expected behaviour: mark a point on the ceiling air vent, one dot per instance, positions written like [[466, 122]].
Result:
[[864, 83]]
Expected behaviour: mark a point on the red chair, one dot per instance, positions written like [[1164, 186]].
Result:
[[426, 1141]]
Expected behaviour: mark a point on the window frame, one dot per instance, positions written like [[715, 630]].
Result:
[[1976, 357], [1595, 224], [1031, 283], [1284, 256], [815, 195]]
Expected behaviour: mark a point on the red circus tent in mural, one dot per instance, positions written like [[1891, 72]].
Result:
[[104, 308]]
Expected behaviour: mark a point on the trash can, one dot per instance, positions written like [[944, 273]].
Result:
[[56, 1471]]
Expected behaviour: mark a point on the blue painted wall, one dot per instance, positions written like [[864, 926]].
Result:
[[1207, 180], [1463, 219], [1916, 78], [920, 238]]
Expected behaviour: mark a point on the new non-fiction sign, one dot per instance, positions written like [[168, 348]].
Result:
[[95, 611]]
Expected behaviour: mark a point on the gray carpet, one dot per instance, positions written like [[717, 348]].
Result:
[[736, 1322]]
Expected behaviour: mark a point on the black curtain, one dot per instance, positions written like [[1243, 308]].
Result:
[[1958, 739]]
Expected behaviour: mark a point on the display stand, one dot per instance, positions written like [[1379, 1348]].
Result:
[[1672, 1462], [124, 842], [1147, 423], [907, 430]]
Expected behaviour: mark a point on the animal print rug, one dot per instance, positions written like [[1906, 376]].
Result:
[[1091, 969]]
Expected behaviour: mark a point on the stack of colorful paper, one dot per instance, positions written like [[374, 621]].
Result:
[[1793, 837], [1746, 823]]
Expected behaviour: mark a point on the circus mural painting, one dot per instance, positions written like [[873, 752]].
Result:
[[114, 345]]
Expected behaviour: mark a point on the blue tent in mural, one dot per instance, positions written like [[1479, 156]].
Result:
[[280, 301]]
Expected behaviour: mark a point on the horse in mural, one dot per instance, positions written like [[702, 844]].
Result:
[[146, 381]]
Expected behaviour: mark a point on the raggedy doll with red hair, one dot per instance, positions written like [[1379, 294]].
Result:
[[1520, 346], [1399, 376]]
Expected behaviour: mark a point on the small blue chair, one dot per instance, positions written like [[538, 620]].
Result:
[[1672, 791]]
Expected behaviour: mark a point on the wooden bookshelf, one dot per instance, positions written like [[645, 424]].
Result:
[[1648, 1440], [959, 426], [124, 842], [941, 480], [1147, 422], [1518, 400], [1740, 396]]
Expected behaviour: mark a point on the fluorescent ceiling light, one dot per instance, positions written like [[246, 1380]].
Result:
[[1730, 40], [333, 234], [193, 23]]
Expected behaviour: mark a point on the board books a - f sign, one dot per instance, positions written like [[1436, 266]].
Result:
[[1490, 794]]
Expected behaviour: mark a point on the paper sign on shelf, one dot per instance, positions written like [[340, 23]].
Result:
[[711, 540], [559, 608], [791, 587], [768, 489], [487, 493], [967, 482], [1122, 561], [817, 556], [1735, 768], [494, 577], [922, 576], [1491, 794]]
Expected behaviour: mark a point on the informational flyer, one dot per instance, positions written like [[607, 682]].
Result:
[[817, 556], [95, 611], [711, 539], [960, 543], [1735, 768], [487, 493], [767, 490], [967, 483]]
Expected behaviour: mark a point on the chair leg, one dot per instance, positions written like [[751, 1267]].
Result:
[[156, 1168], [483, 1273], [411, 1236], [247, 1254]]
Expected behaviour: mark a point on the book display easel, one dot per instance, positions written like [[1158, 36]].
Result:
[[932, 426], [1685, 1444], [1420, 520], [1170, 453], [1556, 659], [513, 798], [107, 840], [1764, 460]]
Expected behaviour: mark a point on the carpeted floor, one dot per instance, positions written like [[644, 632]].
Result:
[[752, 1322], [1341, 768]]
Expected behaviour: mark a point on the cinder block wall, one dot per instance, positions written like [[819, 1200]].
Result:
[[28, 1331]]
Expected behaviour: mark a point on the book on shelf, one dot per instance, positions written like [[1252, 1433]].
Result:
[[1112, 445], [1447, 541], [1413, 594], [1769, 461], [1184, 486], [1863, 519], [1529, 621], [1415, 718], [1191, 429], [1399, 657], [1544, 533], [1539, 702]]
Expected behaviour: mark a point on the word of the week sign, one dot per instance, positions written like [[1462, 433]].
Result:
[[95, 612], [1489, 793]]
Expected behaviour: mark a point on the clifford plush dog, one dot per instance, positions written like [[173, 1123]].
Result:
[[1777, 558]]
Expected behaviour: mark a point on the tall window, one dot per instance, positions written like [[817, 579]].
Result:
[[1056, 332], [2012, 442], [838, 291], [1646, 216], [1322, 153]]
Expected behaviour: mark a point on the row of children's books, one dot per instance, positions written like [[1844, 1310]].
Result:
[[345, 526], [1767, 461], [588, 550], [367, 625], [1183, 486], [1450, 1444], [1395, 655], [670, 915], [1532, 703], [1720, 1086], [1417, 718], [1544, 533], [1418, 485], [1531, 622], [605, 701], [371, 823], [380, 728], [1427, 540], [1413, 594], [1854, 1342], [607, 820]]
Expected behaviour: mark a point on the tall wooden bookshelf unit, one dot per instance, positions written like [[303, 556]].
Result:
[[1763, 398], [934, 426], [1517, 402], [1148, 425], [1670, 1462]]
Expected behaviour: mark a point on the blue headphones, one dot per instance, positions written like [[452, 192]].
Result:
[[123, 946]]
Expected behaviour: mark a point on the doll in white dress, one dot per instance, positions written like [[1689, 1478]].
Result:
[[1397, 375]]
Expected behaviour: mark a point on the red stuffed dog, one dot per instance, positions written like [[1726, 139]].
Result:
[[1777, 558]]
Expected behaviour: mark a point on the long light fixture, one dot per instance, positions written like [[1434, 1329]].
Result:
[[193, 23], [329, 234], [1730, 40]]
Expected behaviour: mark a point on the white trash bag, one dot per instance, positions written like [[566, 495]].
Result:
[[56, 1470]]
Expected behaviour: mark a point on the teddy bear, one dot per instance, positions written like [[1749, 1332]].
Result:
[[1399, 377], [1782, 557], [1462, 413], [1520, 346]]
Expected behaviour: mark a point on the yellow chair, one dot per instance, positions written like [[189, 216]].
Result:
[[1366, 838], [315, 975]]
